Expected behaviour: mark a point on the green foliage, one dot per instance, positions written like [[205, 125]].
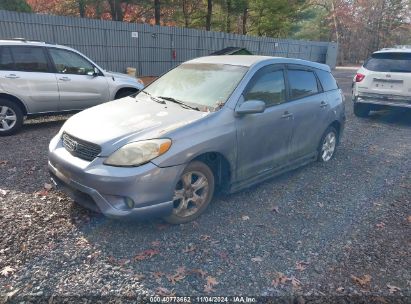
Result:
[[15, 5]]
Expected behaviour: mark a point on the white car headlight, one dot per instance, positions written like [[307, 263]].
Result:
[[138, 153]]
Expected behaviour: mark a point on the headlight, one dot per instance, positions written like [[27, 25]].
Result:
[[138, 153]]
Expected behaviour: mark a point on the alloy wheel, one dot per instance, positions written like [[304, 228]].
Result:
[[191, 193], [8, 118], [328, 147]]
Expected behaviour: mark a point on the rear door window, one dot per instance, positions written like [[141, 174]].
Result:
[[6, 60], [29, 59], [302, 83], [327, 80], [389, 62]]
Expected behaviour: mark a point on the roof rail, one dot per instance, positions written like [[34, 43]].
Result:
[[403, 46], [31, 40], [19, 39]]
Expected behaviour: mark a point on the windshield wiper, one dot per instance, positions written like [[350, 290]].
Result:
[[179, 102], [153, 98]]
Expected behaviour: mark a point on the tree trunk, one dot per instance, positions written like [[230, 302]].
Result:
[[228, 17], [245, 15], [186, 14], [82, 8], [209, 14], [116, 10], [157, 11]]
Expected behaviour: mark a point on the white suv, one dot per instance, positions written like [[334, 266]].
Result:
[[41, 78], [383, 81]]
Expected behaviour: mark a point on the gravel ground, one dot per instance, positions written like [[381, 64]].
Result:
[[322, 233]]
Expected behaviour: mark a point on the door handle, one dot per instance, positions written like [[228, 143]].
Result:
[[323, 104], [64, 79], [287, 114], [12, 76]]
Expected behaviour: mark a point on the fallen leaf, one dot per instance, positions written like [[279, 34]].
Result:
[[295, 282], [340, 289], [280, 279], [409, 219], [392, 288], [301, 265], [146, 254], [178, 276], [7, 271], [164, 292], [275, 209], [189, 248], [210, 283], [3, 162], [257, 259], [200, 272], [380, 225], [158, 274], [205, 237], [48, 187], [363, 282], [245, 217], [175, 278]]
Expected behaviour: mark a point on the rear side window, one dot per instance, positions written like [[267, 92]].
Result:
[[29, 59], [267, 85], [302, 83], [6, 60], [389, 62], [327, 80]]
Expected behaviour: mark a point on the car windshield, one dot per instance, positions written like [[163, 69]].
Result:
[[389, 62], [198, 84]]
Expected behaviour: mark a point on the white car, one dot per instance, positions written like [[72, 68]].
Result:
[[383, 81], [37, 78]]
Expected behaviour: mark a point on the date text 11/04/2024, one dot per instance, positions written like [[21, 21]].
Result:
[[202, 299]]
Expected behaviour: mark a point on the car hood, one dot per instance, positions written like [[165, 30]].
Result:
[[115, 123], [119, 75]]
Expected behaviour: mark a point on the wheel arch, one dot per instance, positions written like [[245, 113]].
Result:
[[337, 126], [21, 104], [124, 89], [219, 165]]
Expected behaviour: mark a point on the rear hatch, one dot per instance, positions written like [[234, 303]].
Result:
[[388, 73]]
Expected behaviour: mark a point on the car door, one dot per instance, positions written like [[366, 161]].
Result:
[[26, 73], [79, 85], [263, 138], [309, 107]]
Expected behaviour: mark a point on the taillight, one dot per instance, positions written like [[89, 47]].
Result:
[[359, 77]]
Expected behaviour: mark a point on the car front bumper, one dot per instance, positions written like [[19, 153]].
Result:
[[384, 100], [138, 192]]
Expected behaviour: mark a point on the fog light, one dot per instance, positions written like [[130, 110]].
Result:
[[129, 202]]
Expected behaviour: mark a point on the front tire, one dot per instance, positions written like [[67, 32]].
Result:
[[361, 110], [328, 145], [11, 117], [192, 194]]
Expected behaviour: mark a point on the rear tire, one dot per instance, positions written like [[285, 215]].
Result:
[[361, 110], [11, 117], [328, 145], [193, 193]]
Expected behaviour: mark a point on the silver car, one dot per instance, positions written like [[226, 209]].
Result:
[[40, 78], [220, 122]]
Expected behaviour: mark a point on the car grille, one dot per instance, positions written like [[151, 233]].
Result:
[[80, 148]]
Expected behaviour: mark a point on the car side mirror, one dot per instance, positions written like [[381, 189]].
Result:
[[93, 73], [251, 107]]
